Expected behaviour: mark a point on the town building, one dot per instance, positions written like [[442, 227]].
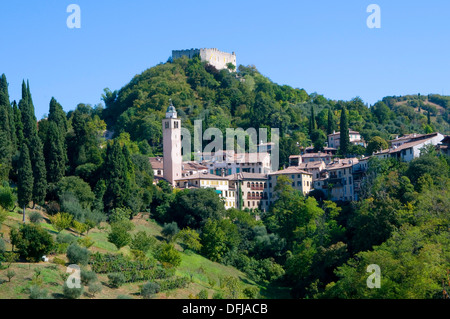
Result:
[[315, 168], [334, 140], [253, 190], [409, 148], [301, 181], [206, 180], [317, 157], [340, 181]]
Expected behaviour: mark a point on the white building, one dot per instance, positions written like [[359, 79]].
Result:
[[334, 140], [408, 149]]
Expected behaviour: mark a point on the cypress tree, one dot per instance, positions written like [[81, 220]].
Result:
[[115, 174], [6, 140], [56, 114], [55, 150], [429, 118], [4, 100], [55, 154], [39, 170], [344, 133], [25, 178], [30, 136], [5, 144], [312, 121], [18, 125], [331, 124]]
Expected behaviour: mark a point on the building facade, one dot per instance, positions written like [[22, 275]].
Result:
[[301, 181], [215, 57]]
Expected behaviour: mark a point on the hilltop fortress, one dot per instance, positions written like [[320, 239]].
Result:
[[216, 58]]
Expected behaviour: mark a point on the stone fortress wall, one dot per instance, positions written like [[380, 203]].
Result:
[[213, 56]]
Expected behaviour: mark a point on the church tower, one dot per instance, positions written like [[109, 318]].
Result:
[[172, 145]]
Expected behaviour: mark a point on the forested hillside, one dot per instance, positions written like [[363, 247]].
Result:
[[65, 169], [248, 99]]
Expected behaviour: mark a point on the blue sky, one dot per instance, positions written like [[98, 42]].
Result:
[[322, 46]]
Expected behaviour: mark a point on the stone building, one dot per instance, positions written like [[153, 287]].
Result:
[[216, 58]]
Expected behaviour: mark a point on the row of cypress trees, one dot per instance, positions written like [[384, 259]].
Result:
[[37, 155], [24, 158]]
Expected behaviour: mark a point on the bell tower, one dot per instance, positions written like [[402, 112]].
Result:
[[172, 145]]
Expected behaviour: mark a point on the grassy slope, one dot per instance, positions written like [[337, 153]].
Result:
[[205, 274]]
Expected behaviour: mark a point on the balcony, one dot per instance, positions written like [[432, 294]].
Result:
[[257, 188]]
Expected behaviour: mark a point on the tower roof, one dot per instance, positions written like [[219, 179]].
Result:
[[171, 111], [171, 108]]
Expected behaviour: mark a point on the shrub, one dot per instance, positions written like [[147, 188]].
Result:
[[35, 217], [150, 289], [251, 292], [218, 295], [77, 255], [72, 293], [76, 186], [203, 294], [61, 221], [65, 238], [190, 238], [37, 292], [142, 242], [174, 283], [62, 248], [170, 230], [71, 205], [119, 214], [88, 277], [7, 198], [95, 288], [32, 241], [59, 261], [168, 256], [10, 274], [116, 280], [52, 208], [86, 242], [119, 235]]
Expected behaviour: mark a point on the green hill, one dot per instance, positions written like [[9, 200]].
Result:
[[247, 98], [203, 273]]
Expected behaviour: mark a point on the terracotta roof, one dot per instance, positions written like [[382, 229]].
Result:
[[311, 165], [290, 170], [246, 176], [157, 162], [320, 154], [342, 163], [404, 146], [203, 176]]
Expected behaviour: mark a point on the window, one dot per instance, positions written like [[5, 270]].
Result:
[[293, 176], [299, 183], [167, 124], [176, 124]]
